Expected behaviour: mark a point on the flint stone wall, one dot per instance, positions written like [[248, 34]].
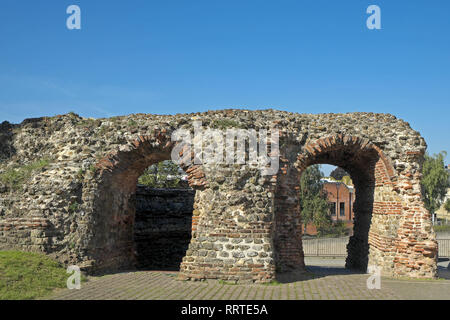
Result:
[[246, 227]]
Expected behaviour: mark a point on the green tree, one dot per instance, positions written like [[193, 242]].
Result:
[[165, 174], [336, 229], [447, 206], [313, 200], [434, 181], [338, 173]]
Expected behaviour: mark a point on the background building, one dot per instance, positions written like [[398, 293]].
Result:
[[341, 198]]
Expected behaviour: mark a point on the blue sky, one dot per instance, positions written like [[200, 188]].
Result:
[[183, 56]]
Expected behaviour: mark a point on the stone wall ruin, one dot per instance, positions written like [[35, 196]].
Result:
[[67, 186]]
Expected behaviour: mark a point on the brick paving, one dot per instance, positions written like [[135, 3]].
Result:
[[156, 285], [326, 279]]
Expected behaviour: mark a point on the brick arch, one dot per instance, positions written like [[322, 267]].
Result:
[[377, 202], [114, 209], [373, 175], [133, 158], [343, 150]]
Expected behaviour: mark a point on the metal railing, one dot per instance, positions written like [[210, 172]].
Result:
[[337, 247], [444, 248], [325, 247]]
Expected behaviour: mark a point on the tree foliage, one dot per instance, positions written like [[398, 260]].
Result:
[[313, 200], [336, 229], [434, 181], [338, 173], [447, 206], [347, 180], [165, 174]]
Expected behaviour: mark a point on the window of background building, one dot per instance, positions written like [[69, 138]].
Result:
[[333, 208], [342, 209]]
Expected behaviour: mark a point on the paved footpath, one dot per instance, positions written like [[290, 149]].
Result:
[[330, 282]]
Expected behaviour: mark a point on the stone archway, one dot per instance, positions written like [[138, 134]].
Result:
[[381, 232], [245, 226], [111, 243], [377, 203]]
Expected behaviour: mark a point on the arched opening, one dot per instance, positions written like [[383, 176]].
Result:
[[327, 197], [163, 218], [361, 165], [375, 199], [116, 243]]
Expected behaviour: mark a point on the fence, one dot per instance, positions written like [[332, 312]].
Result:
[[444, 247], [337, 247], [326, 247]]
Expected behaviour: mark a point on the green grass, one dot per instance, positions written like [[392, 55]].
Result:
[[230, 283], [89, 123], [15, 177], [74, 206], [442, 228], [132, 123], [272, 283], [26, 276]]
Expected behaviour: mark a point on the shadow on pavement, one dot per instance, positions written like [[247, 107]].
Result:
[[314, 272], [444, 268]]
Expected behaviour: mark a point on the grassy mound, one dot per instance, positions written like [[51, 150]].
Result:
[[25, 275]]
